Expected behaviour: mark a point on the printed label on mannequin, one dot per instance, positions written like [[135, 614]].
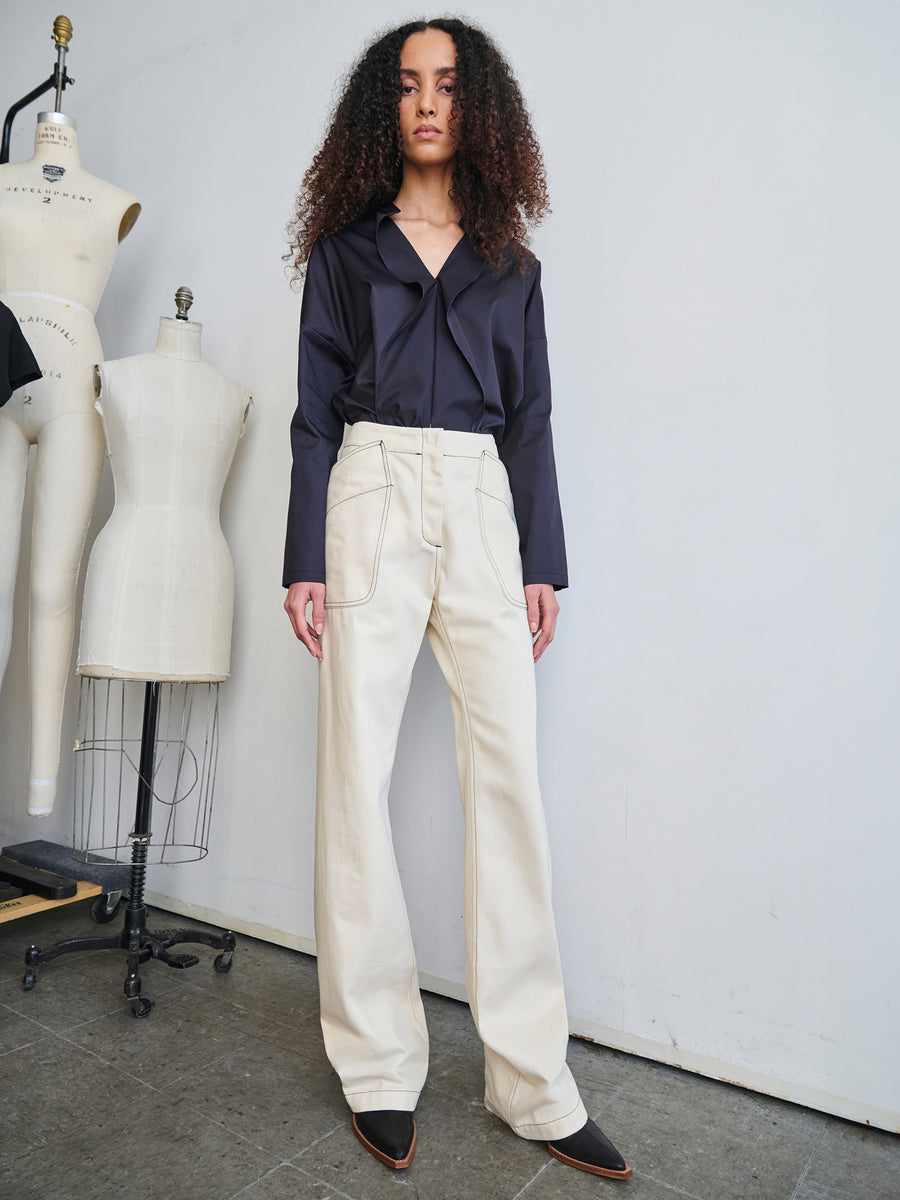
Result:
[[26, 396], [52, 173], [49, 324], [37, 191], [53, 135]]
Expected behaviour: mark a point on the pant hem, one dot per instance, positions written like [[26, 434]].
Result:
[[381, 1099], [548, 1131]]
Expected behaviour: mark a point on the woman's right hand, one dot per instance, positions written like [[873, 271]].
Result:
[[300, 595]]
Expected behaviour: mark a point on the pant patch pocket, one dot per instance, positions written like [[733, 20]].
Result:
[[498, 527], [359, 495]]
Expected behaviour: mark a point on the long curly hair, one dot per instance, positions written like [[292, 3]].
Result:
[[499, 184]]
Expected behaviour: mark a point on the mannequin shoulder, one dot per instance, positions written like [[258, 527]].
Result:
[[113, 371], [129, 206], [116, 201], [237, 392]]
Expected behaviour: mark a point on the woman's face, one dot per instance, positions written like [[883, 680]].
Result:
[[427, 86]]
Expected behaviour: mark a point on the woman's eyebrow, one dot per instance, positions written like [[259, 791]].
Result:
[[439, 71]]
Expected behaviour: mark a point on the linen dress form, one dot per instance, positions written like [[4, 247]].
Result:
[[60, 228], [159, 592]]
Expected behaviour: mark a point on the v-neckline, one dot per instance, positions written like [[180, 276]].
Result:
[[419, 258]]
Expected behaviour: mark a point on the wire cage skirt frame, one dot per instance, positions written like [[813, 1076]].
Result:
[[108, 738], [164, 752]]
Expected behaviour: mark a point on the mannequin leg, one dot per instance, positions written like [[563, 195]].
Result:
[[69, 461], [13, 470], [479, 633]]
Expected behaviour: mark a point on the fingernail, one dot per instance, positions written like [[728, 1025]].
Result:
[[534, 626], [319, 627]]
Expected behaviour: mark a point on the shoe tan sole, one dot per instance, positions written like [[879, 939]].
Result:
[[583, 1166], [396, 1164]]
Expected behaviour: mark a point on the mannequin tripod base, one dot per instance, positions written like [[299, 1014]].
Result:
[[142, 944]]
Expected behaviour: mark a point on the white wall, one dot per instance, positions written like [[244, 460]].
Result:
[[718, 744]]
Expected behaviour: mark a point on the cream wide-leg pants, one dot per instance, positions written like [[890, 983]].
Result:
[[421, 538]]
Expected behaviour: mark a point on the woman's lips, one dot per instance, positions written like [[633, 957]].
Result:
[[426, 132]]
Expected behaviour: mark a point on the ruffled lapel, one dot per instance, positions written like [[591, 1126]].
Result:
[[462, 267], [396, 252], [460, 270]]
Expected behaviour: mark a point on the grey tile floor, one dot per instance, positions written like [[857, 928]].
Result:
[[224, 1092]]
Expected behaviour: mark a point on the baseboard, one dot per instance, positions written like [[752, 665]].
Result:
[[617, 1039], [210, 916]]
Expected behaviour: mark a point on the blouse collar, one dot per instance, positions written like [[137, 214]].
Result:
[[462, 267]]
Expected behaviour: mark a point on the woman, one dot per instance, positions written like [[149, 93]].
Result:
[[424, 500]]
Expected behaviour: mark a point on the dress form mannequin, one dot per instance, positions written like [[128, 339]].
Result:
[[59, 229], [159, 591]]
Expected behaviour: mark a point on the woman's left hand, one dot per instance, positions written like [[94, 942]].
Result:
[[543, 610]]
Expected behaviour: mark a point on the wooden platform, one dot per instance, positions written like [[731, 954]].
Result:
[[23, 906]]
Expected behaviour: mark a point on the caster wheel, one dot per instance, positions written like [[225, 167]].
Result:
[[29, 980], [101, 913], [140, 1006], [223, 963]]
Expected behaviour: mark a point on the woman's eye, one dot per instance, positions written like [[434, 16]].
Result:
[[449, 88], [407, 89]]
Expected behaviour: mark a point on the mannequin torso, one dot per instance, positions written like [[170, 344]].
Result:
[[60, 225], [59, 230], [159, 589]]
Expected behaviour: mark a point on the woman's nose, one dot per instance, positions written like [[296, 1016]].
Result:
[[426, 104]]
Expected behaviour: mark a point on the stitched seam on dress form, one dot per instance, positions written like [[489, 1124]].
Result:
[[82, 412], [46, 296]]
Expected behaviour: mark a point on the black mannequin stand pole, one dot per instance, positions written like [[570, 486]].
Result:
[[140, 942]]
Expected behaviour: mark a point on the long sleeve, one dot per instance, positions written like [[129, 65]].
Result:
[[527, 453], [324, 365]]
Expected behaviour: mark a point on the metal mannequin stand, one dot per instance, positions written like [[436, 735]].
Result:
[[141, 943], [59, 80]]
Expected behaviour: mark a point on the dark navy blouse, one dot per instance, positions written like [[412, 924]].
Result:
[[382, 340], [17, 363]]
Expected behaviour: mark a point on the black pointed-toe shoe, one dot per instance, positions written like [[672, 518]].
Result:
[[389, 1134], [590, 1150]]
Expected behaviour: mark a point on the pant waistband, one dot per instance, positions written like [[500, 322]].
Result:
[[404, 439]]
